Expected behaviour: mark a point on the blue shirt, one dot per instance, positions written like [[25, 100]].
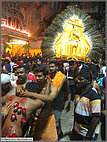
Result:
[[101, 81]]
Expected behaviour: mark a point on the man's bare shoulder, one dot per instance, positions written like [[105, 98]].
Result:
[[8, 95], [12, 92]]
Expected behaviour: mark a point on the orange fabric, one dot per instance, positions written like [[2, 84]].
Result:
[[45, 129], [58, 80]]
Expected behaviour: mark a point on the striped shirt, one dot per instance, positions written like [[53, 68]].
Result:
[[87, 106]]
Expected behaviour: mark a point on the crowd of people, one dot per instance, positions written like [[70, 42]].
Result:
[[35, 91]]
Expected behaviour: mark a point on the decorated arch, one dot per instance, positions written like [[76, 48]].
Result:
[[72, 34]]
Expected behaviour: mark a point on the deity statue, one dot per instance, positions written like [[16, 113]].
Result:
[[72, 43]]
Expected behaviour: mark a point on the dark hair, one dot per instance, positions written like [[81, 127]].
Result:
[[12, 59], [101, 75], [54, 62], [86, 74], [18, 59], [32, 87], [20, 66], [34, 66], [42, 69], [6, 87], [92, 70]]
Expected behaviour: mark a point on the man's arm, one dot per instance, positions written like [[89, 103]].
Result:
[[10, 93], [5, 109], [43, 97], [47, 94], [32, 105], [92, 128], [68, 103], [67, 94], [95, 110], [47, 89]]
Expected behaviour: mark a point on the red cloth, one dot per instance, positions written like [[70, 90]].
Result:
[[31, 77], [19, 63]]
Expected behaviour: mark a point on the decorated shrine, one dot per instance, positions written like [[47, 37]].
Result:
[[72, 35], [72, 42]]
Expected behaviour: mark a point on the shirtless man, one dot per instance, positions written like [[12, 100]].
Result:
[[45, 127], [59, 80], [18, 115], [21, 82], [23, 107], [7, 88]]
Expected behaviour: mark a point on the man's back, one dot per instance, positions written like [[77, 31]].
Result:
[[43, 127], [12, 123], [18, 115]]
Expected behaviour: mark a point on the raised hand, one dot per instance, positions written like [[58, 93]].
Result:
[[5, 109], [20, 90]]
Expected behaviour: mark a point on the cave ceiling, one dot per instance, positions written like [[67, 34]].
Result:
[[39, 15]]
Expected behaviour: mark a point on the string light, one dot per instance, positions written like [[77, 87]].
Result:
[[2, 25], [17, 42]]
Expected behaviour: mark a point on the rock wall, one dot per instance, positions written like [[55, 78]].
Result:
[[39, 15]]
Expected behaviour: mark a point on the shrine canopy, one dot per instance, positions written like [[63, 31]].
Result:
[[72, 35]]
